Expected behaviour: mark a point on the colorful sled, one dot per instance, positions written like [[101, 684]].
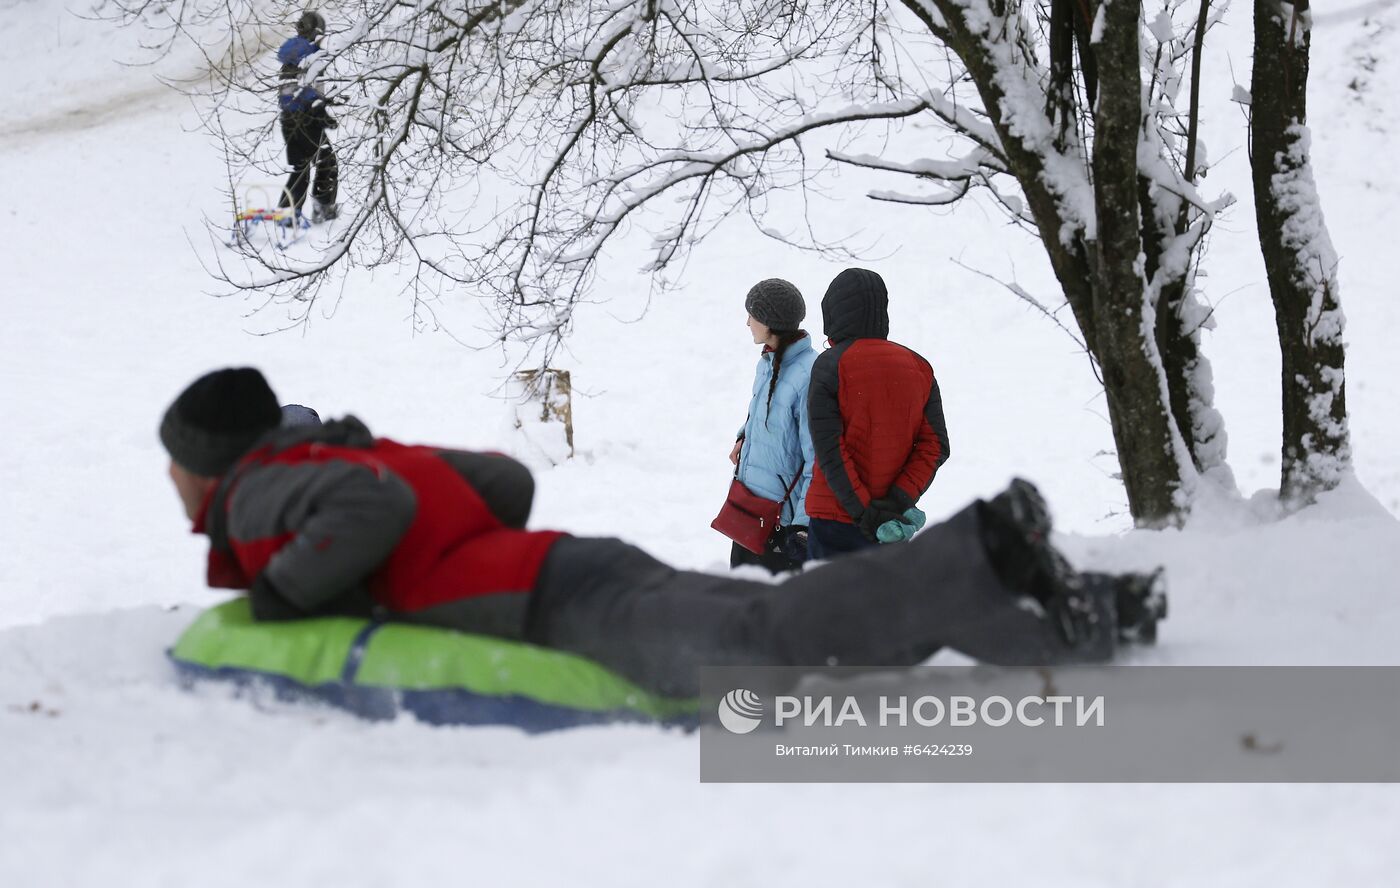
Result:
[[442, 677], [283, 226]]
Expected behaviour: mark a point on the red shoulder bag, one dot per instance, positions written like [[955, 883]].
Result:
[[749, 519]]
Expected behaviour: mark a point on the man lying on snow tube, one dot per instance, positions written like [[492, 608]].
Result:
[[330, 521]]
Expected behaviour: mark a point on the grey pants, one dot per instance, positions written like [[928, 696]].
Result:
[[885, 607]]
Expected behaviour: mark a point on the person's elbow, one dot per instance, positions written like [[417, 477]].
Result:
[[518, 485]]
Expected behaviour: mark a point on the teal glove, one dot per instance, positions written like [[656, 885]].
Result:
[[903, 529]]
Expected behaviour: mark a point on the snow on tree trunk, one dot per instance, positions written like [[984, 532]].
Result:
[[1298, 256]]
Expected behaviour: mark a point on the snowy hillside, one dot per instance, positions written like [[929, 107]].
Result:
[[109, 774]]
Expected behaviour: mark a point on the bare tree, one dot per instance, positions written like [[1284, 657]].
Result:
[[501, 145], [1298, 255], [1108, 164]]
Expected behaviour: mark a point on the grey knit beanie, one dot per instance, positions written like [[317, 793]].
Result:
[[776, 304]]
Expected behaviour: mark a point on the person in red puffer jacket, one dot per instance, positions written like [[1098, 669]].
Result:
[[876, 418]]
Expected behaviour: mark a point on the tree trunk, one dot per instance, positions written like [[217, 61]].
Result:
[[1180, 318], [1097, 269], [1298, 256], [1132, 370], [1180, 315]]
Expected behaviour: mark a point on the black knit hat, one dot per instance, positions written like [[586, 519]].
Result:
[[217, 418], [776, 304]]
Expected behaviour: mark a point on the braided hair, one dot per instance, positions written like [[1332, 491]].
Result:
[[785, 338]]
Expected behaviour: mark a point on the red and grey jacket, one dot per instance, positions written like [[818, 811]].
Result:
[[331, 520], [875, 410]]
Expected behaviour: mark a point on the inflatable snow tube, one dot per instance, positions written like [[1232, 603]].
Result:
[[442, 677]]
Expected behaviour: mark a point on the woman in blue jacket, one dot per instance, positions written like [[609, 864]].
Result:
[[774, 451]]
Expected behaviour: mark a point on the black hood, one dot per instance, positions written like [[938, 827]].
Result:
[[856, 306]]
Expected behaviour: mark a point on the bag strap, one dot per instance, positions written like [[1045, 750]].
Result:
[[788, 493], [742, 437]]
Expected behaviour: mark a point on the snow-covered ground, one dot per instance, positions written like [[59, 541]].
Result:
[[109, 774]]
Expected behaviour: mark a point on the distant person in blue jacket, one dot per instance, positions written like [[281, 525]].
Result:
[[305, 120], [773, 454]]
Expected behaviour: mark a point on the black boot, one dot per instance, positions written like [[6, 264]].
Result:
[[1140, 600], [1016, 534], [1021, 504], [1085, 615]]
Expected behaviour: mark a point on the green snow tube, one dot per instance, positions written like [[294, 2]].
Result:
[[440, 676]]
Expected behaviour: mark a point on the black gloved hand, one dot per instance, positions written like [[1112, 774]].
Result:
[[792, 542], [320, 114], [878, 512], [268, 604]]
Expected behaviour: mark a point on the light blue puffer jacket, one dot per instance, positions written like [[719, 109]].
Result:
[[777, 443]]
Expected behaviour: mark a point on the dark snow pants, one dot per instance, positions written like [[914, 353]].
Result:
[[831, 539], [307, 144], [892, 606], [777, 556]]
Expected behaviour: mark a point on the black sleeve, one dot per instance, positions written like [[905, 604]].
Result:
[[826, 426], [268, 604], [933, 412], [505, 484]]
